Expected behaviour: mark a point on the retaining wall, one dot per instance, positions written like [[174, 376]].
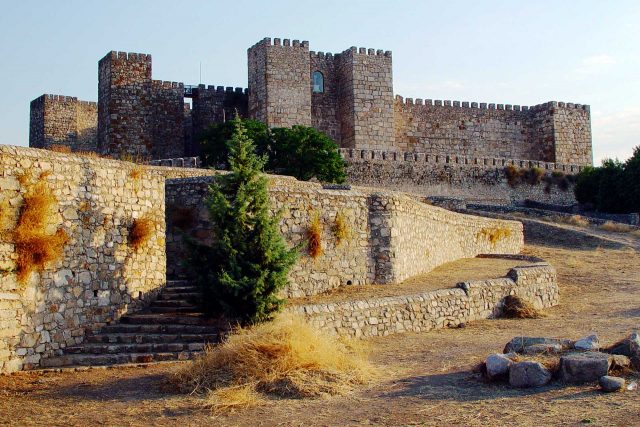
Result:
[[444, 308]]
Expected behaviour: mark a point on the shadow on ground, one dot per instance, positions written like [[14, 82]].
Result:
[[464, 387], [558, 236], [132, 389]]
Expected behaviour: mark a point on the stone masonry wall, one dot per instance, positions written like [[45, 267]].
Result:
[[324, 106], [63, 120], [376, 221], [572, 133], [471, 178], [444, 308], [281, 80], [99, 276], [168, 119]]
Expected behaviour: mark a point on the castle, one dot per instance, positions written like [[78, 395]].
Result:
[[349, 96]]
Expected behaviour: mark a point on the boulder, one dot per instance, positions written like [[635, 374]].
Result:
[[518, 344], [528, 374], [609, 384], [543, 349], [630, 347], [497, 366], [589, 343], [584, 367]]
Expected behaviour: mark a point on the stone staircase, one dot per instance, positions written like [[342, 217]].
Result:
[[171, 328]]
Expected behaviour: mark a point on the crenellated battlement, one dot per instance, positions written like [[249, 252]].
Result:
[[487, 106], [389, 156], [278, 42], [126, 56], [363, 51]]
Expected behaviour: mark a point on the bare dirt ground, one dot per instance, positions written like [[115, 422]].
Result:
[[425, 378]]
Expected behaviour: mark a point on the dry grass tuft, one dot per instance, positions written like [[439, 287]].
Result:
[[6, 215], [341, 229], [577, 220], [314, 235], [515, 307], [59, 148], [142, 229], [494, 235], [616, 227], [89, 154], [136, 172], [283, 358], [34, 247]]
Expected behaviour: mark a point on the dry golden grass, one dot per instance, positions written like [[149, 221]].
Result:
[[36, 249], [616, 227], [516, 308], [314, 235], [142, 229], [6, 215], [283, 358], [341, 229], [59, 148], [494, 235], [577, 220], [89, 154]]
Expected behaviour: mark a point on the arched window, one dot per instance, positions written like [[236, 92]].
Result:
[[318, 82]]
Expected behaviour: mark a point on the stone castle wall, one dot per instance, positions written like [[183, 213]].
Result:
[[99, 277], [445, 308], [381, 248], [63, 120], [167, 111], [471, 178], [552, 132], [324, 105]]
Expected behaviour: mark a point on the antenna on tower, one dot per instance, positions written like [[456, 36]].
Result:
[[200, 82]]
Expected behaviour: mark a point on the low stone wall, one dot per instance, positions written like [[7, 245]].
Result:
[[391, 236], [99, 275], [444, 308]]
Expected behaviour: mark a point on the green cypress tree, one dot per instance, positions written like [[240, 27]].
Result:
[[249, 261]]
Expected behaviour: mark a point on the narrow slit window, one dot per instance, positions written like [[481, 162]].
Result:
[[318, 82]]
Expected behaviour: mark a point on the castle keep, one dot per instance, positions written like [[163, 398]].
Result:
[[349, 96]]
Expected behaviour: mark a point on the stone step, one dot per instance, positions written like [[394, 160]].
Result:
[[138, 338], [174, 283], [165, 318], [174, 289], [158, 329], [115, 359], [120, 348], [172, 303], [174, 310], [189, 296]]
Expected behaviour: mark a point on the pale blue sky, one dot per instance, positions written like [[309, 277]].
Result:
[[501, 51]]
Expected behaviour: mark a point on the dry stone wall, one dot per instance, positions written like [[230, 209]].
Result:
[[474, 300], [99, 276], [375, 250]]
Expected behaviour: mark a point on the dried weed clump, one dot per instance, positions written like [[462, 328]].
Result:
[[6, 216], [34, 247], [314, 235], [616, 227], [142, 229], [284, 358], [59, 148], [341, 229], [515, 307], [136, 172], [494, 235], [577, 220]]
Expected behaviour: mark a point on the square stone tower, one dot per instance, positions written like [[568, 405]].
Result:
[[279, 82], [125, 104]]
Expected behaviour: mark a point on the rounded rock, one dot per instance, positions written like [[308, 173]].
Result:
[[610, 384]]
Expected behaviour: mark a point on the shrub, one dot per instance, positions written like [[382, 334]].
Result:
[[512, 175], [616, 227], [242, 272], [284, 358], [300, 151], [314, 235], [35, 248], [142, 229]]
